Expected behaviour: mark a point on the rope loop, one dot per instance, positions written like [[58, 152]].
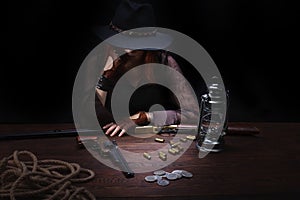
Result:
[[42, 179]]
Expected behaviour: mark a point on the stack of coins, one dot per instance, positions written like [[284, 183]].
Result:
[[163, 178]]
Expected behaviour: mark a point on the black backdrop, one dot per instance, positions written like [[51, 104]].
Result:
[[255, 44]]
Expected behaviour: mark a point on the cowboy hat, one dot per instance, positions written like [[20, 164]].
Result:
[[133, 27]]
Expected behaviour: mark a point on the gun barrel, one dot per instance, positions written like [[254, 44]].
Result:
[[120, 160]]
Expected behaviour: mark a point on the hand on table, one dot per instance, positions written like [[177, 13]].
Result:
[[141, 118]]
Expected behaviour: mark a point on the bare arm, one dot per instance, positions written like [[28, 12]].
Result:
[[189, 108]]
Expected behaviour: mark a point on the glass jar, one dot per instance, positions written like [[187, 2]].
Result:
[[213, 119]]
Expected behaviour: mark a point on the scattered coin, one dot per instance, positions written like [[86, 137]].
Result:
[[171, 176], [178, 173], [160, 175], [163, 182], [186, 174], [159, 172], [179, 176], [159, 178], [150, 178]]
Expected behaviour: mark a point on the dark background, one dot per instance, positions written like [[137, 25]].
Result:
[[255, 45]]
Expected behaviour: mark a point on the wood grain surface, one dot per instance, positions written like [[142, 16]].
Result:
[[260, 166]]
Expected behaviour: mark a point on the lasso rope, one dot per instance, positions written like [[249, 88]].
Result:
[[42, 179]]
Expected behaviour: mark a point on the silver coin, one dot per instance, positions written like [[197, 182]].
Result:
[[186, 174], [163, 182], [159, 172], [171, 176], [159, 178], [179, 175], [150, 178], [177, 171]]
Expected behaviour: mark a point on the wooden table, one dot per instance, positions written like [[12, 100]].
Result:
[[264, 166]]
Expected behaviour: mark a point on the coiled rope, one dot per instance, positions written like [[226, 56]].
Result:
[[42, 179]]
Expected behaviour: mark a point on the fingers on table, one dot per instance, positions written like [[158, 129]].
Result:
[[110, 129], [122, 132], [108, 125], [117, 129], [113, 129]]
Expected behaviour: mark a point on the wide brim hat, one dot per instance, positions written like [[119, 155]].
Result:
[[133, 27]]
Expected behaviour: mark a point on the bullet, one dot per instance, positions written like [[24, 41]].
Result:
[[146, 155], [172, 151], [159, 140]]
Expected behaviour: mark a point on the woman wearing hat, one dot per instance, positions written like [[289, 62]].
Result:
[[128, 50]]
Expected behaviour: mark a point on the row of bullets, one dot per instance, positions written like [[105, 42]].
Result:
[[175, 147]]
